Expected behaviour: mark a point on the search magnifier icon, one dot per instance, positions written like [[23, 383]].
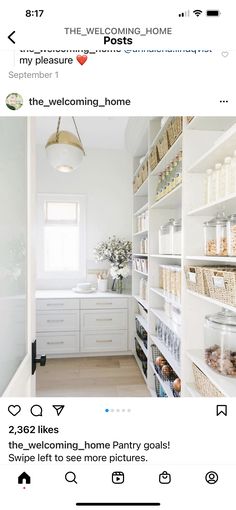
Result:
[[70, 477]]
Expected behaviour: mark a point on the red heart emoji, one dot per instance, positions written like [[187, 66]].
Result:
[[81, 59]]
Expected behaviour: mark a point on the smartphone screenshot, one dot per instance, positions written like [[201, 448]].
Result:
[[117, 255]]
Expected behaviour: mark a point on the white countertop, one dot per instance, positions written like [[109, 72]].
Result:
[[68, 294]]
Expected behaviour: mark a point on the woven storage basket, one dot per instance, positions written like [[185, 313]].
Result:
[[139, 180], [144, 171], [175, 129], [204, 385], [195, 279], [158, 388], [155, 353], [153, 158], [135, 185], [163, 146], [189, 119], [221, 283]]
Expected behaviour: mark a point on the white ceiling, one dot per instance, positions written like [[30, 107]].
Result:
[[95, 132]]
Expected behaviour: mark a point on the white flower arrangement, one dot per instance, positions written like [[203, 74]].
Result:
[[118, 252]]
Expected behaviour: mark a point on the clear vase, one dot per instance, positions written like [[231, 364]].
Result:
[[119, 285]]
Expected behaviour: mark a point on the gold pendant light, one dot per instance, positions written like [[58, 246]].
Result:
[[64, 149]]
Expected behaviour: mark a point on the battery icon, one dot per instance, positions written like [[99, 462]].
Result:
[[213, 13]]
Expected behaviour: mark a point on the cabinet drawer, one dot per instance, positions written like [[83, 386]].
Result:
[[104, 341], [103, 303], [55, 321], [57, 304], [103, 320], [57, 343]]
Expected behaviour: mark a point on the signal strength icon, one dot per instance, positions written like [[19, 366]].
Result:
[[197, 12], [184, 14]]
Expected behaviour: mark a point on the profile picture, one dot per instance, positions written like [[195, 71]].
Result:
[[14, 101]]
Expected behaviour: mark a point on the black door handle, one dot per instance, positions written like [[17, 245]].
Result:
[[41, 360]]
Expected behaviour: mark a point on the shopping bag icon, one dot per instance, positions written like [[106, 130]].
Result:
[[164, 477]]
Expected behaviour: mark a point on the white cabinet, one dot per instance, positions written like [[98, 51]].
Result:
[[103, 320], [57, 321], [70, 326], [60, 343], [57, 304], [103, 303], [58, 326], [104, 330], [103, 341]]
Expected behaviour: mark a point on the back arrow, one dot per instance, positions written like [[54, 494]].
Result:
[[9, 37]]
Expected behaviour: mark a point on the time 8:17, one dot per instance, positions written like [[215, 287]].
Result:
[[37, 13]]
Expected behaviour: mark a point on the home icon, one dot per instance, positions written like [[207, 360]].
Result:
[[23, 478]]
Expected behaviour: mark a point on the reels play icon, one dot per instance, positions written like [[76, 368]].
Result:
[[118, 477]]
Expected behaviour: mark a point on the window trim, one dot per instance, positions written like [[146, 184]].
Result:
[[60, 275]]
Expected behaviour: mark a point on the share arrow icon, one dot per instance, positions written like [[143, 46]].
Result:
[[58, 409]]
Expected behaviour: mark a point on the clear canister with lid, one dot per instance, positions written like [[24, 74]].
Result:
[[208, 186], [159, 186], [179, 169], [215, 236], [167, 279], [224, 178], [232, 176], [220, 342], [166, 238], [178, 277], [231, 235], [177, 237]]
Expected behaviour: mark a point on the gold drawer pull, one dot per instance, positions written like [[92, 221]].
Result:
[[103, 320], [103, 304], [55, 320], [55, 304], [55, 343], [103, 341]]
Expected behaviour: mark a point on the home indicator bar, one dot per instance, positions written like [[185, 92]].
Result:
[[118, 504]]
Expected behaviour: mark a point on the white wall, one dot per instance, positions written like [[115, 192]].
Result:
[[105, 177]]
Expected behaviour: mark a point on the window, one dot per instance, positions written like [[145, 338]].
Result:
[[61, 236]]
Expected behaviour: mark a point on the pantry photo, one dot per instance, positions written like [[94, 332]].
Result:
[[118, 257]]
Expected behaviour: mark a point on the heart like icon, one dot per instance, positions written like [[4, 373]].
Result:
[[14, 410], [81, 59], [225, 53]]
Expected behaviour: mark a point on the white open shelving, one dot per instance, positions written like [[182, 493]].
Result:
[[210, 300], [211, 209], [170, 201], [204, 142], [158, 212], [225, 385]]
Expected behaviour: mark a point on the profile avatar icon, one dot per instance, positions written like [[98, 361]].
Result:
[[14, 101]]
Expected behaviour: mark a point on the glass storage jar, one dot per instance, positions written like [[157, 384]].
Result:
[[159, 186], [231, 235], [232, 176], [224, 177], [208, 186], [177, 237], [161, 276], [178, 176], [220, 342], [168, 271], [178, 284], [166, 238], [168, 180], [215, 236], [215, 193], [173, 289]]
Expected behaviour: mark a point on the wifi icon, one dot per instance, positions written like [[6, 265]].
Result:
[[197, 12]]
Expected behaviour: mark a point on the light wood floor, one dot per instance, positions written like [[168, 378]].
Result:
[[110, 376]]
